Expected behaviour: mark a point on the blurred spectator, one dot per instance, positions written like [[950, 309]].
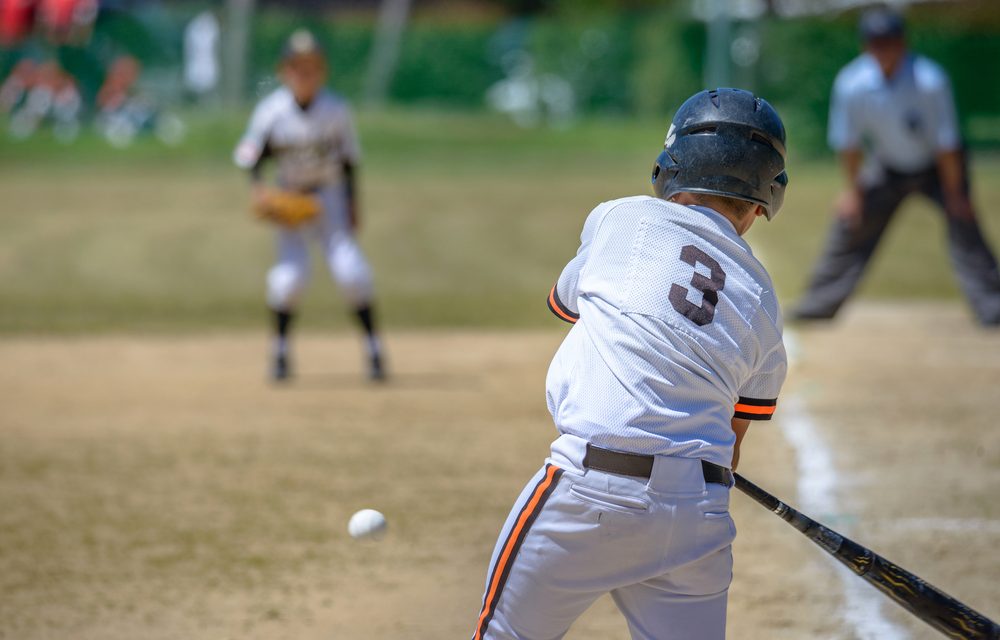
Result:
[[530, 98], [16, 18], [120, 113], [123, 112], [201, 55], [47, 95], [68, 21], [118, 84], [15, 88]]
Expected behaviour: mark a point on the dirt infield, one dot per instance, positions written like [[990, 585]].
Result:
[[158, 487]]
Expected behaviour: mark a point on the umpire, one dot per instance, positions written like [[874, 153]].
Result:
[[893, 123]]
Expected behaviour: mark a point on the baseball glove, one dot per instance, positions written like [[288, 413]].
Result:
[[286, 208]]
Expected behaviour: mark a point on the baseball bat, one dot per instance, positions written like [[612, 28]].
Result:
[[926, 602]]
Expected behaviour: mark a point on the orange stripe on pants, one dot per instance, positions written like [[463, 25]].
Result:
[[506, 556]]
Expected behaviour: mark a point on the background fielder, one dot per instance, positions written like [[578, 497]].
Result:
[[676, 347], [308, 131]]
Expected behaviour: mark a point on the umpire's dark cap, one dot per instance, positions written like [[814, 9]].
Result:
[[301, 42], [881, 23]]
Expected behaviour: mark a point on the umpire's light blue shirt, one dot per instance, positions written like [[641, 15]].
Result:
[[902, 121]]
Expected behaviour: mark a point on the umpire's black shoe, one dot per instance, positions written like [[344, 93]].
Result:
[[281, 370]]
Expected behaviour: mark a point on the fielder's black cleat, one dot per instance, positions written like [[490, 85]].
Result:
[[376, 370], [281, 371]]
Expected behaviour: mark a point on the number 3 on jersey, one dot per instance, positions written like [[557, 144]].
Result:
[[709, 287]]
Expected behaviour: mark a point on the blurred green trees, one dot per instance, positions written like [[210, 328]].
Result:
[[617, 57]]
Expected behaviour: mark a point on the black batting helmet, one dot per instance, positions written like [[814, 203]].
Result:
[[726, 142]]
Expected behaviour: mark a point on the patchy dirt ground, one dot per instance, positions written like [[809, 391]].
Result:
[[159, 487]]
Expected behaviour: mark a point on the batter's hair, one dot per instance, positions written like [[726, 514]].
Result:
[[735, 206]]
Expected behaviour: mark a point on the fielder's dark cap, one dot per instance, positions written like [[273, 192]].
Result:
[[301, 42], [881, 23]]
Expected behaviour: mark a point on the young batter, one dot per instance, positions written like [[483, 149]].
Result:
[[676, 346], [308, 131]]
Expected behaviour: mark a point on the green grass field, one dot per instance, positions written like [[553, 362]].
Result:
[[467, 221]]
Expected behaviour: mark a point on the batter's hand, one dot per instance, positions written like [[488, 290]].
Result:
[[740, 426]]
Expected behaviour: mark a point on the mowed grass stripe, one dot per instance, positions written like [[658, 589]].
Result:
[[467, 221]]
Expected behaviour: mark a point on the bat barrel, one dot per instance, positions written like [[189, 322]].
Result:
[[933, 606]]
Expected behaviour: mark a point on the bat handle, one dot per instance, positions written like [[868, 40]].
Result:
[[758, 494]]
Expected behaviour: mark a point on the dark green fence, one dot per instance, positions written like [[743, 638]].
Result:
[[646, 63]]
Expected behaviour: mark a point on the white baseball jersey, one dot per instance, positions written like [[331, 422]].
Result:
[[309, 144], [906, 120], [677, 329]]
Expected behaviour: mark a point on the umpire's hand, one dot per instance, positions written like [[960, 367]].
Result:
[[849, 206], [959, 206]]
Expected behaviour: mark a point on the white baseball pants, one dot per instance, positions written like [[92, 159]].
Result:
[[289, 276], [661, 547]]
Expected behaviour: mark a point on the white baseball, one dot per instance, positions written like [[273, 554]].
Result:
[[367, 524]]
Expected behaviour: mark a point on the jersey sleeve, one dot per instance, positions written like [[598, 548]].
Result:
[[844, 127], [350, 148], [563, 296], [251, 146], [946, 135], [758, 397]]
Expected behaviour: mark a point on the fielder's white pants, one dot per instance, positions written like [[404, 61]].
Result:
[[660, 547], [289, 276]]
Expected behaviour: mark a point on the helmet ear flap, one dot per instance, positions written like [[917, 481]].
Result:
[[777, 194], [664, 170]]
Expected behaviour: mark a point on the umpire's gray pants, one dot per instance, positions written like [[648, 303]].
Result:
[[660, 547], [849, 248]]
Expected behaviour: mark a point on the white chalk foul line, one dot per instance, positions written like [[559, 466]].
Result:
[[817, 489]]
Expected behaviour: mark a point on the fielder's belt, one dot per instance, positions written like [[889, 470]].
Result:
[[641, 466]]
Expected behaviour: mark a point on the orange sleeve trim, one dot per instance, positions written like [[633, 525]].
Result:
[[557, 307], [754, 409], [763, 411]]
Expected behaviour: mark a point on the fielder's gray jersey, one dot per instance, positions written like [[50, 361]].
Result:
[[309, 144], [677, 329], [905, 120]]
